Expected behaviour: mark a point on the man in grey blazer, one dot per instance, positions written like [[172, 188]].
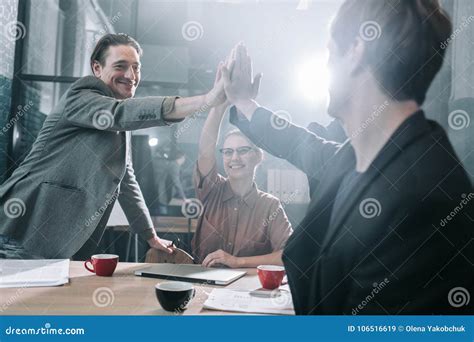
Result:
[[62, 194]]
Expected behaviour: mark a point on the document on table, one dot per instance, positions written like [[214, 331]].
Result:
[[33, 273], [276, 302]]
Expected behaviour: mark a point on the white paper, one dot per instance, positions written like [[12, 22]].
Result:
[[33, 273], [264, 302]]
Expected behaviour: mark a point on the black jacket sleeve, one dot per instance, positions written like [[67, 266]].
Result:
[[305, 150]]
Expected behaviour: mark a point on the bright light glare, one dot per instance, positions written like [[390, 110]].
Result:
[[153, 141], [313, 79]]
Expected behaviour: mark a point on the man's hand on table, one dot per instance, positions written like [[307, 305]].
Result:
[[222, 258]]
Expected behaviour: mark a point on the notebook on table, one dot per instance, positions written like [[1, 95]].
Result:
[[193, 273], [33, 273]]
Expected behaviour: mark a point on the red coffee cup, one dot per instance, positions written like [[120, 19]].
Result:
[[270, 276], [102, 264]]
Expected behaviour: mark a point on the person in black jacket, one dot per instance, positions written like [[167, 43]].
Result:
[[333, 132], [389, 229]]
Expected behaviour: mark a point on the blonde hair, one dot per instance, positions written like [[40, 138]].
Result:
[[239, 133]]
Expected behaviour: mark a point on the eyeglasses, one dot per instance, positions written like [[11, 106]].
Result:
[[241, 151]]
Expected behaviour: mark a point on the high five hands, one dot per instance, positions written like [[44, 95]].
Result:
[[235, 83], [239, 83]]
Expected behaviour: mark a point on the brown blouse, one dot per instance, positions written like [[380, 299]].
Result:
[[255, 224]]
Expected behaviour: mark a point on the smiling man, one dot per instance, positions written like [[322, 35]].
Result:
[[58, 201]]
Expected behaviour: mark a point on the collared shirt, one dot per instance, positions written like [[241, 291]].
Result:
[[255, 224]]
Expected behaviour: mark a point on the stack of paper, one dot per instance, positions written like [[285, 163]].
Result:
[[276, 302], [32, 273]]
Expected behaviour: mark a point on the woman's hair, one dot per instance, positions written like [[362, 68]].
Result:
[[237, 132]]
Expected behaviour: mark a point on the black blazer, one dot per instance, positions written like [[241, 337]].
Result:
[[333, 131], [402, 242]]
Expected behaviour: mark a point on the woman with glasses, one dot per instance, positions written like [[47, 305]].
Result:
[[240, 226]]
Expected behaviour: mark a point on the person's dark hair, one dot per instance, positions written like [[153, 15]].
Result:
[[405, 42], [100, 51]]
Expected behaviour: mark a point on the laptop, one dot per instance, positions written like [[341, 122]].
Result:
[[193, 273]]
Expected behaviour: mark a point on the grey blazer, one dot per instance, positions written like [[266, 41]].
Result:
[[78, 166]]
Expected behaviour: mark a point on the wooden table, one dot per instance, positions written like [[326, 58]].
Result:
[[122, 294]]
